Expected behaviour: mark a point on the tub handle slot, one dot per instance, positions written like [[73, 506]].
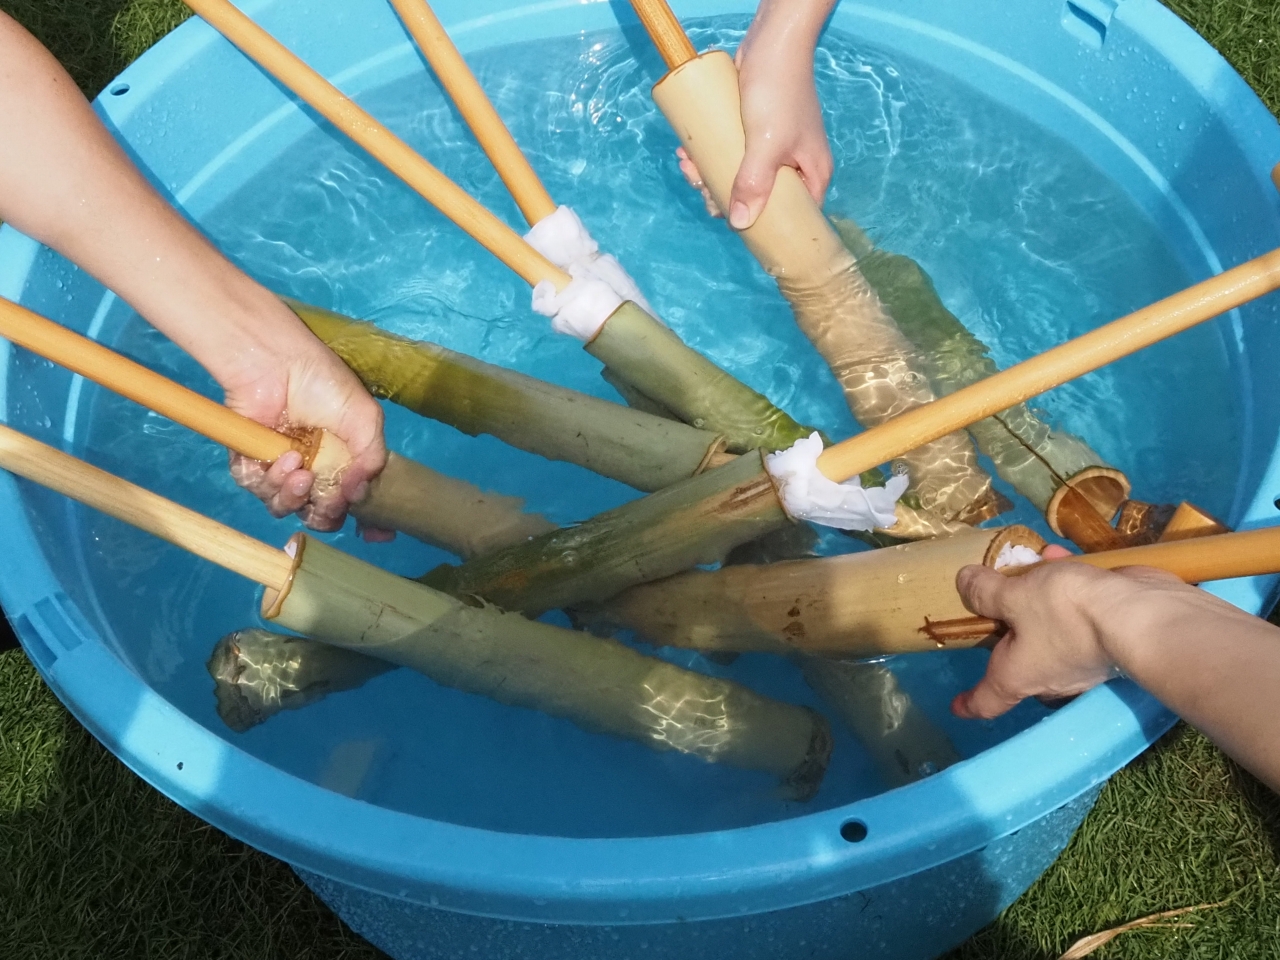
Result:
[[1088, 20]]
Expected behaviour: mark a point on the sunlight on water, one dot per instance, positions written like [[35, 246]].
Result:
[[1026, 242]]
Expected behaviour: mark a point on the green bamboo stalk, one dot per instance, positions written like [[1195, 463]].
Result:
[[1027, 453], [258, 673], [658, 364], [599, 685], [636, 448], [685, 525]]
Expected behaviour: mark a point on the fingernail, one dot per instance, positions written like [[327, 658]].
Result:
[[739, 215], [960, 706], [300, 485], [361, 491], [291, 460]]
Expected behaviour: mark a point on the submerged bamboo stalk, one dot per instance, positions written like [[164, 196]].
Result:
[[903, 742], [646, 373], [633, 447], [878, 368], [855, 605], [699, 520], [600, 685], [1035, 459]]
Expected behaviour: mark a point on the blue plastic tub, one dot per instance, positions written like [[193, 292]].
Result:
[[463, 850]]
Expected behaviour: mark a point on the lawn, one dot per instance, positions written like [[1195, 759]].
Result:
[[96, 864]]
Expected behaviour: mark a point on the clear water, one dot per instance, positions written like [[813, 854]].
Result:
[[1026, 241]]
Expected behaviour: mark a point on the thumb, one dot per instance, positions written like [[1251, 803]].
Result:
[[752, 186], [983, 590]]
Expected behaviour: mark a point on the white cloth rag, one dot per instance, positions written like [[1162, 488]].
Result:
[[580, 309], [809, 495], [564, 240], [1015, 555]]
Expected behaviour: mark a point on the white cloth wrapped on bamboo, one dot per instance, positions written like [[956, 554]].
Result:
[[807, 494], [580, 309], [564, 240]]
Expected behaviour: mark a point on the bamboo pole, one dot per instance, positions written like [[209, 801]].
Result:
[[599, 685], [1192, 559], [396, 155], [469, 97], [665, 31], [647, 373], [143, 509], [406, 496], [135, 382], [699, 520]]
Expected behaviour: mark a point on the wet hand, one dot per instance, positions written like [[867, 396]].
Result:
[[783, 123], [291, 381], [1066, 622]]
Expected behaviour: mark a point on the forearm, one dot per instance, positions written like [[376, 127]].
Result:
[[794, 24], [1216, 667], [67, 183]]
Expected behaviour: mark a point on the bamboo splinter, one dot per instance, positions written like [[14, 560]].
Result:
[[697, 521], [599, 685], [632, 343]]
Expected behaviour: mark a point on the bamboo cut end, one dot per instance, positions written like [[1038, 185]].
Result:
[[273, 599], [1104, 488]]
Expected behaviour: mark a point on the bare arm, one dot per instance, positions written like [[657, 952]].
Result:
[[65, 182], [780, 110], [1073, 626]]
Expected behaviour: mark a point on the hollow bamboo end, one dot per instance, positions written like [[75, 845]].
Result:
[[1104, 488], [1016, 536], [273, 599]]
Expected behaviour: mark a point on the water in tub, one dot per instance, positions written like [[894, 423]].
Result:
[[1027, 241]]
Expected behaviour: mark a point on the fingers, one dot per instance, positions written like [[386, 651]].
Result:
[[753, 184], [1054, 552], [997, 692], [816, 170], [691, 174], [983, 590]]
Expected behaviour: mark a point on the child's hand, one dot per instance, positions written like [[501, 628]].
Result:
[[1064, 620], [294, 380], [781, 115]]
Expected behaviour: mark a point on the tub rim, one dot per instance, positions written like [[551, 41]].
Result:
[[649, 879]]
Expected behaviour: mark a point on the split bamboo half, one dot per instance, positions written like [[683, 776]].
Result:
[[698, 521], [880, 371], [599, 685], [632, 343], [406, 496]]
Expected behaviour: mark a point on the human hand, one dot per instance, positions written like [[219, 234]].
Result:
[[289, 380], [782, 120], [1068, 623]]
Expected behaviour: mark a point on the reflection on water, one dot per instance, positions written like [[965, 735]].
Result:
[[1028, 244]]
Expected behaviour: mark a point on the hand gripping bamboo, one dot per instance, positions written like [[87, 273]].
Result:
[[599, 685], [697, 521], [406, 496], [631, 342], [1198, 559]]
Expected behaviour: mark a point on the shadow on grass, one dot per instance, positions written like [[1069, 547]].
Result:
[[94, 863], [96, 39]]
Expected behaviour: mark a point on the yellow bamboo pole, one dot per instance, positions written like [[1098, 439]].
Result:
[[145, 510], [468, 96], [406, 496], [665, 31], [1222, 556], [396, 155], [1198, 303], [121, 375]]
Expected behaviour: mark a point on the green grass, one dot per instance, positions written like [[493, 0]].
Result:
[[96, 864]]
